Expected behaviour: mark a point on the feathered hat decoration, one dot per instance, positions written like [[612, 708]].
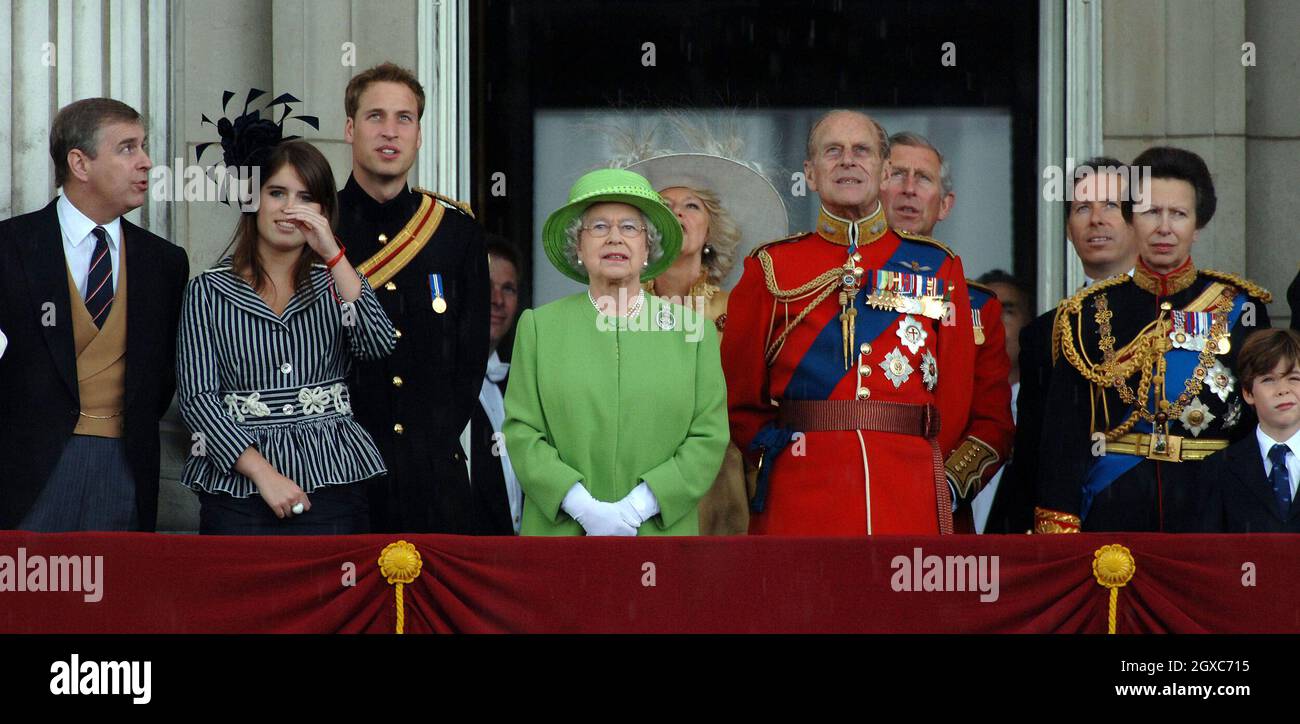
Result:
[[248, 139]]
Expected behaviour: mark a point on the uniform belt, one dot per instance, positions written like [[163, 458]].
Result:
[[1190, 449], [874, 415], [877, 416]]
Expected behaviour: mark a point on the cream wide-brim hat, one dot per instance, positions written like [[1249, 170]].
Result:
[[750, 198]]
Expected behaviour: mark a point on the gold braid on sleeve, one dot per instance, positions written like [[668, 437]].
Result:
[[1054, 521]]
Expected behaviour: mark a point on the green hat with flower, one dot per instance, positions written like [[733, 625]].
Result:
[[612, 185]]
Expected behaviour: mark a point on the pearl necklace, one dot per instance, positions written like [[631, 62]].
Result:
[[632, 309]]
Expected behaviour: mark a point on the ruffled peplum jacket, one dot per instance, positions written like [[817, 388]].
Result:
[[247, 376]]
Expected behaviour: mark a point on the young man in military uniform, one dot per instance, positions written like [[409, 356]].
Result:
[[1098, 228], [426, 259], [845, 349], [1144, 387], [917, 194]]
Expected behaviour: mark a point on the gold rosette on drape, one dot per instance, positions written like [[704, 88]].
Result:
[[1113, 567], [400, 564]]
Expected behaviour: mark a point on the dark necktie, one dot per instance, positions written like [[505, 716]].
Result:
[[1280, 479], [99, 280]]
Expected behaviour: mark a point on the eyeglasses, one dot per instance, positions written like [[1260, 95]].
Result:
[[626, 229]]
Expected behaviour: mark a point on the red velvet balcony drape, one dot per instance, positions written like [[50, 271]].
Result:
[[186, 584]]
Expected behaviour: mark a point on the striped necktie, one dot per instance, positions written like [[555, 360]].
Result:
[[99, 280], [1280, 478]]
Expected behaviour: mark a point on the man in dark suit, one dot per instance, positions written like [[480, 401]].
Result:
[[424, 255], [1104, 241], [1251, 486], [497, 494], [90, 303]]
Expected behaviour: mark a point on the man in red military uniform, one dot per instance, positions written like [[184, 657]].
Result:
[[917, 194], [848, 351]]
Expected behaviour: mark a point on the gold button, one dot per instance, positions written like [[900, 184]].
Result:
[[383, 238], [397, 381], [863, 393], [1166, 306], [398, 428], [390, 287], [864, 370], [865, 348], [397, 333]]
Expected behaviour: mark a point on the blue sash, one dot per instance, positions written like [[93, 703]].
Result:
[[822, 366]]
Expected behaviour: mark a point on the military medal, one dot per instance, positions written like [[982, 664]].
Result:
[[849, 312], [897, 368], [978, 326], [1196, 417], [929, 370], [912, 334], [1221, 380], [435, 288], [1234, 415]]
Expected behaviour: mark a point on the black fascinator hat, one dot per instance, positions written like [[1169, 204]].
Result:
[[247, 140]]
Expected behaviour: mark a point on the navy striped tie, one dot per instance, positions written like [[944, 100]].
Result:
[[99, 280], [1280, 478]]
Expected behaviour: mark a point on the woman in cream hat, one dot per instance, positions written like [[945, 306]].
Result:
[[616, 418], [724, 207]]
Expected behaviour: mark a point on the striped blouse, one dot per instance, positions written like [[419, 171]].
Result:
[[246, 376]]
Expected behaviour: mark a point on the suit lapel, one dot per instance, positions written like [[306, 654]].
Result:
[[47, 283], [141, 293], [1246, 464]]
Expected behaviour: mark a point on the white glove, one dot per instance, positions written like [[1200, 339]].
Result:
[[638, 506], [595, 517]]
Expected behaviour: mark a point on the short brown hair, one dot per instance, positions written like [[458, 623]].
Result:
[[77, 125], [314, 171], [1263, 351], [382, 73]]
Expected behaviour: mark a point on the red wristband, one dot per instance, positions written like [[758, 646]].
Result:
[[337, 257]]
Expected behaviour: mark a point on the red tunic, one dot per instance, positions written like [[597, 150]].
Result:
[[844, 483], [985, 445]]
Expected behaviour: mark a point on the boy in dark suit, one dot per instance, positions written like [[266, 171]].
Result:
[[1251, 486]]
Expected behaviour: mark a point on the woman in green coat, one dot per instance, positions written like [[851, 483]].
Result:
[[616, 419]]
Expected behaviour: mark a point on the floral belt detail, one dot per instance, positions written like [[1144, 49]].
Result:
[[290, 403]]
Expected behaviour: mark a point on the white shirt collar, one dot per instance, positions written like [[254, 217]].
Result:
[[1266, 443], [1089, 281], [77, 226]]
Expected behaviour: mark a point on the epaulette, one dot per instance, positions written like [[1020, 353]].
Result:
[[1241, 283], [926, 240], [461, 206], [1073, 305], [754, 252]]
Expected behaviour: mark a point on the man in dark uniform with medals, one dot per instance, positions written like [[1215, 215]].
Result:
[[1144, 387], [425, 257], [1098, 228]]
